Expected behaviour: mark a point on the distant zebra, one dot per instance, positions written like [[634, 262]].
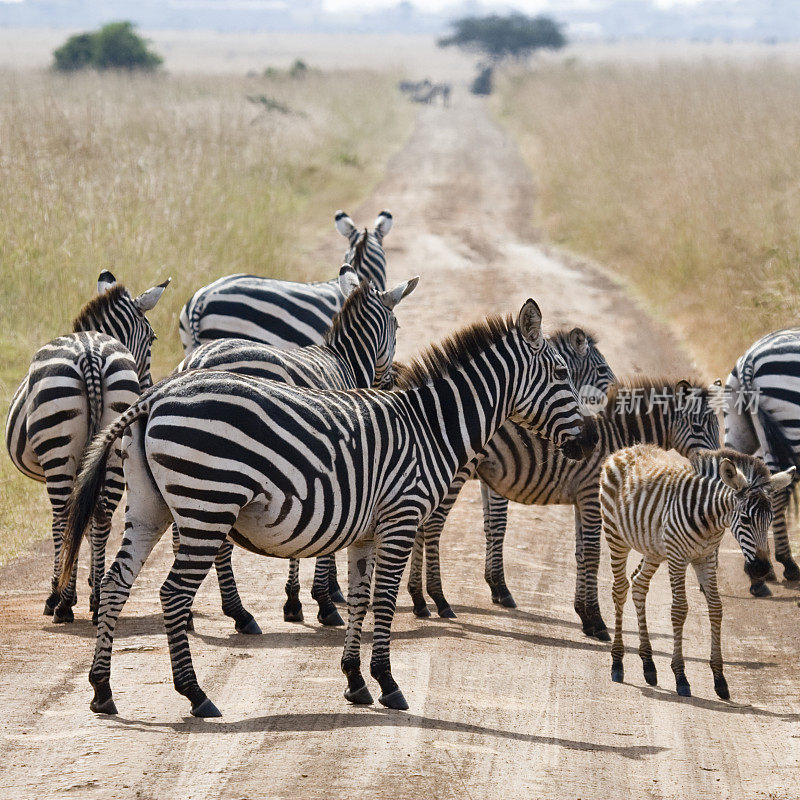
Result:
[[591, 375], [358, 353], [282, 313], [75, 385], [762, 416], [293, 472], [676, 513]]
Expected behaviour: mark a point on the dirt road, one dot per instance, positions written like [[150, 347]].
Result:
[[502, 704]]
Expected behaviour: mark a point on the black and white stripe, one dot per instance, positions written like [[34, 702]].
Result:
[[75, 385], [520, 466], [295, 472], [762, 417], [282, 313], [677, 513]]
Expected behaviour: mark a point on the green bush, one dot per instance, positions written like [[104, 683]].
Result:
[[114, 46]]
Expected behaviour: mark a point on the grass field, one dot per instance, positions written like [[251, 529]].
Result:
[[167, 176], [682, 177]]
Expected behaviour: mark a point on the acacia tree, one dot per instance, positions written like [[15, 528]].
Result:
[[114, 46], [498, 37]]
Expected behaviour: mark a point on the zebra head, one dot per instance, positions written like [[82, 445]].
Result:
[[365, 330], [694, 423], [546, 400], [751, 517], [114, 312], [587, 365], [366, 252]]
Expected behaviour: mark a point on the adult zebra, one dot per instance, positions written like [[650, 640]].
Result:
[[518, 465], [282, 313], [678, 513], [358, 353], [293, 472], [75, 385], [761, 417]]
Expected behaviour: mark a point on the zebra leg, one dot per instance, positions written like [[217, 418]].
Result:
[[619, 560], [361, 560], [320, 591], [176, 540], [333, 581], [640, 584], [100, 533], [231, 602], [495, 521], [393, 547], [197, 553], [706, 571], [293, 608], [415, 576], [780, 535], [680, 608], [590, 525], [579, 603]]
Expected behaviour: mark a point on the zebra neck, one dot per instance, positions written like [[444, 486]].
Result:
[[714, 506], [357, 354], [623, 430]]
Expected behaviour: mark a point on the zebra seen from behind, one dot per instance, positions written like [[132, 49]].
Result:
[[75, 385], [677, 512], [520, 466], [282, 313], [761, 413], [358, 353], [294, 473]]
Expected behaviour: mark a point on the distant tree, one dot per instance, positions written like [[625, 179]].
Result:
[[498, 37], [482, 84], [114, 46]]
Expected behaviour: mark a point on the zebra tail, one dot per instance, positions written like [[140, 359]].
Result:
[[84, 500], [91, 368], [783, 454]]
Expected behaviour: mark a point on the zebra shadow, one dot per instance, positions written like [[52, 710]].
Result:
[[135, 625], [369, 717]]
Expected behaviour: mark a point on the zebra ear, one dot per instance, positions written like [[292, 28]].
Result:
[[391, 298], [348, 280], [579, 341], [731, 475], [105, 282], [147, 300], [780, 480], [383, 224], [530, 321], [344, 224]]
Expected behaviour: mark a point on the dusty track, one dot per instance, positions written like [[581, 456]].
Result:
[[503, 704]]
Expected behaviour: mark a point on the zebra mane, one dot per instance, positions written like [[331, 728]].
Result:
[[95, 309], [358, 250], [455, 350], [706, 462], [644, 385], [352, 306]]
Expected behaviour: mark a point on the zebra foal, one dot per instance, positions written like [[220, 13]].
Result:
[[291, 472], [678, 512], [358, 353], [75, 385]]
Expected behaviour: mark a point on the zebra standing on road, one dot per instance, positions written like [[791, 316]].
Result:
[[358, 353], [520, 466], [291, 472], [678, 513], [761, 416], [282, 313], [75, 385]]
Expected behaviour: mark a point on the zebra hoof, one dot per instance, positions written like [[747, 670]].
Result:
[[337, 596], [602, 635], [617, 671], [63, 615], [359, 697], [248, 626], [106, 707], [206, 709], [682, 686], [445, 613], [650, 673], [50, 605], [422, 612], [790, 570], [292, 615], [394, 699], [330, 620], [721, 688], [505, 600], [760, 589]]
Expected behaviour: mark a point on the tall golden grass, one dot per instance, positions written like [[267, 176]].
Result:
[[156, 176], [682, 178]]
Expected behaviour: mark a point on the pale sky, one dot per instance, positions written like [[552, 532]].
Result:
[[529, 6]]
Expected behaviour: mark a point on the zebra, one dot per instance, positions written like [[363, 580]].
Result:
[[288, 472], [678, 513], [358, 353], [282, 313], [761, 411], [75, 385], [518, 465]]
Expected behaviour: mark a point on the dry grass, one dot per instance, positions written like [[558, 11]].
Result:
[[682, 178], [159, 176]]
